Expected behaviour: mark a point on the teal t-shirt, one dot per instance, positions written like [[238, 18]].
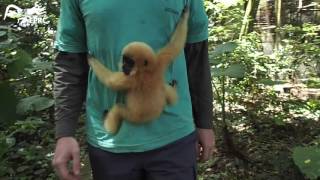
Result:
[[103, 28]]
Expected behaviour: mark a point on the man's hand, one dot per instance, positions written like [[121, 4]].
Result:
[[206, 144], [67, 149]]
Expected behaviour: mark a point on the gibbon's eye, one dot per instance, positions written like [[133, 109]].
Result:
[[145, 63]]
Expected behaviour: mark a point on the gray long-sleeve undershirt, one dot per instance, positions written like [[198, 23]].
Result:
[[70, 85]]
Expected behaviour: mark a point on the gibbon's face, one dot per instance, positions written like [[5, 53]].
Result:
[[137, 58]]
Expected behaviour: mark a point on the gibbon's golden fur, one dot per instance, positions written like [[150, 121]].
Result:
[[142, 79]]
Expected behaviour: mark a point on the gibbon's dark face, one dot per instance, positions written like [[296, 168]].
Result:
[[127, 65], [130, 65], [137, 58]]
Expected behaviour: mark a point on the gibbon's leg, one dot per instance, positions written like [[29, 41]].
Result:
[[114, 118], [114, 80], [177, 41], [171, 94]]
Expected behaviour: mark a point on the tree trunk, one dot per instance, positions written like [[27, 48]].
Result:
[[266, 26], [300, 4], [246, 19], [278, 11], [249, 17], [253, 15]]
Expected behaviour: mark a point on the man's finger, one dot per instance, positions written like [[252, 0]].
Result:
[[214, 150], [197, 150], [206, 153], [63, 172], [76, 163]]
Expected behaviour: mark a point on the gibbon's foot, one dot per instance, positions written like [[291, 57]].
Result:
[[174, 83], [113, 120], [171, 95]]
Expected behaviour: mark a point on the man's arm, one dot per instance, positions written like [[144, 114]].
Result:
[[70, 85], [199, 77]]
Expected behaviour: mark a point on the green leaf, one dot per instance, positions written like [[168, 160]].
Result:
[[218, 72], [42, 65], [40, 171], [6, 44], [8, 105], [308, 160], [270, 82], [11, 141], [22, 168], [34, 103], [3, 36], [4, 146], [225, 48], [22, 61], [236, 71], [279, 121], [313, 104], [3, 33], [233, 71], [213, 60]]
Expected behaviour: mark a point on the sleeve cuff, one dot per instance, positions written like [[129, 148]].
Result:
[[67, 48], [198, 37], [64, 130]]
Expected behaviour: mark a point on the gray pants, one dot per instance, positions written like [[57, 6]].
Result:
[[176, 161]]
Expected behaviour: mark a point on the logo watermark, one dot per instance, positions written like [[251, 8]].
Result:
[[26, 17]]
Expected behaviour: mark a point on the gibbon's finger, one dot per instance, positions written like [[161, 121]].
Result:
[[186, 9]]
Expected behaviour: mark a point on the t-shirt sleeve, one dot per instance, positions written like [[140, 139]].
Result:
[[198, 22], [71, 34]]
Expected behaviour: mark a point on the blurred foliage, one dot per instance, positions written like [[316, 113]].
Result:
[[26, 54], [260, 122]]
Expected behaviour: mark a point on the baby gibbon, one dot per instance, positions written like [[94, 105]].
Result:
[[142, 78]]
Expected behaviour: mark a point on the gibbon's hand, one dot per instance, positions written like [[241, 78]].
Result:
[[67, 149], [205, 145]]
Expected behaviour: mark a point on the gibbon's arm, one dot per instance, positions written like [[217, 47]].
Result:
[[177, 42], [114, 80]]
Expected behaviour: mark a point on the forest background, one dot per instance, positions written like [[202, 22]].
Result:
[[265, 63]]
